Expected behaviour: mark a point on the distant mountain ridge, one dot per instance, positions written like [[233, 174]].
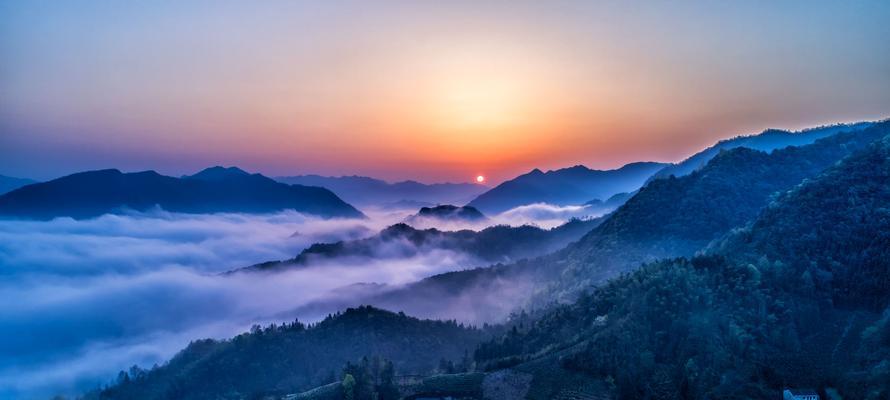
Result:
[[568, 186], [365, 191], [8, 183], [768, 140], [93, 193], [446, 213], [679, 216], [792, 291], [667, 218], [795, 299], [499, 243], [219, 173]]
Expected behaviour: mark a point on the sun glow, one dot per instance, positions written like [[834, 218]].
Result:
[[481, 105], [480, 179]]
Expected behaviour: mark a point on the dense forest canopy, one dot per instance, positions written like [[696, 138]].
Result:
[[294, 357], [809, 311]]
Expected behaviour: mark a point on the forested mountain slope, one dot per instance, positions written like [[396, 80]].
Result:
[[810, 312], [667, 218], [834, 231], [679, 216], [795, 297], [294, 357], [768, 140]]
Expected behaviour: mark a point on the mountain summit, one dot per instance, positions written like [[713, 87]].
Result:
[[218, 173], [8, 183]]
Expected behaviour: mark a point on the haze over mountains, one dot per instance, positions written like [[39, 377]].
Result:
[[601, 191], [493, 244], [667, 218], [567, 291], [217, 189], [792, 300], [794, 296], [366, 191], [444, 200], [568, 186]]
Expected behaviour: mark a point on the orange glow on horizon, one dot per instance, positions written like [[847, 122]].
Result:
[[424, 91]]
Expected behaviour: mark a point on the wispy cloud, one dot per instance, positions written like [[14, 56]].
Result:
[[92, 297], [539, 214]]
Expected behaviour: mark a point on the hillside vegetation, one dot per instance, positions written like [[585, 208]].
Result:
[[754, 316]]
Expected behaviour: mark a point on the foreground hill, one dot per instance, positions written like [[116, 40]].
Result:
[[834, 231], [797, 299], [90, 194], [294, 357], [768, 140], [8, 183], [569, 186], [365, 191]]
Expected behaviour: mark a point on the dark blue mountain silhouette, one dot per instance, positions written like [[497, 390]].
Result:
[[768, 140], [217, 189], [362, 190], [567, 186], [447, 212], [8, 183]]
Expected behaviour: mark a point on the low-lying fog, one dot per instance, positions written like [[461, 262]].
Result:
[[85, 299]]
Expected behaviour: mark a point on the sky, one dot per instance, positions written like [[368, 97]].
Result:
[[420, 90]]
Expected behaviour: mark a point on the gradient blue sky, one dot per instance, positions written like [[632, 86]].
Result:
[[421, 90]]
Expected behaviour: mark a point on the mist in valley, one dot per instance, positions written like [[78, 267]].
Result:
[[96, 296]]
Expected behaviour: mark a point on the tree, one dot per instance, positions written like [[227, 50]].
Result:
[[348, 387]]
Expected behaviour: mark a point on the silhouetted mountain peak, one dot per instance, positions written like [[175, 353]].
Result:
[[376, 192], [575, 168], [93, 193], [148, 173], [98, 172], [9, 183], [567, 186], [398, 229], [218, 173], [640, 165], [450, 212], [773, 131]]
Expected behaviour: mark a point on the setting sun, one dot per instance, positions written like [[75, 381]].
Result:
[[480, 179]]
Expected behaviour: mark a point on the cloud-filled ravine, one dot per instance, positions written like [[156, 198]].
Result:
[[87, 298]]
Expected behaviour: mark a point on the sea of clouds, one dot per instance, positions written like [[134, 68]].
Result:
[[542, 215], [84, 299]]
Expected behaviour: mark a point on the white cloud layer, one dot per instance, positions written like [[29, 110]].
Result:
[[87, 298]]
